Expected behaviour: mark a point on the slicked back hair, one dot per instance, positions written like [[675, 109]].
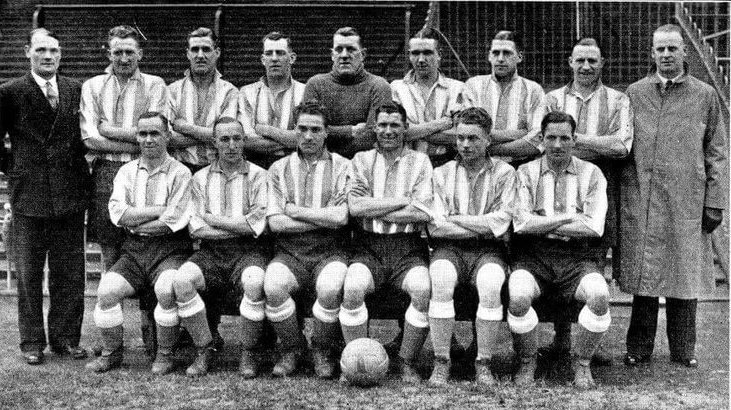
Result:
[[204, 32], [391, 108], [40, 30], [226, 120], [349, 32], [276, 35], [124, 31], [155, 114], [311, 107], [508, 35], [558, 117], [475, 116]]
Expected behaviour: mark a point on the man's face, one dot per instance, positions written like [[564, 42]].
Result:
[[559, 142], [347, 54], [152, 137], [504, 58], [44, 54], [472, 141], [587, 63], [277, 58], [203, 55], [390, 129], [668, 50], [424, 56], [125, 54], [229, 142], [311, 134]]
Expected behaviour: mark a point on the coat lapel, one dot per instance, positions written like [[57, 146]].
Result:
[[39, 102]]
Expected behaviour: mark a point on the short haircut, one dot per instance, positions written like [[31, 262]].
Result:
[[226, 120], [155, 114], [428, 33], [123, 32], [508, 35], [204, 32], [349, 32], [474, 116], [558, 117], [669, 28], [276, 35], [40, 30], [391, 108], [587, 41], [311, 107]]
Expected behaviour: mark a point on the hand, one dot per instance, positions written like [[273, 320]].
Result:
[[290, 210], [357, 190], [712, 217], [445, 123], [104, 129], [359, 130], [209, 218], [179, 125]]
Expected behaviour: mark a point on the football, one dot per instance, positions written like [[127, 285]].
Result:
[[364, 362]]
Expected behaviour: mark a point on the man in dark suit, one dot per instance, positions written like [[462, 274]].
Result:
[[49, 180]]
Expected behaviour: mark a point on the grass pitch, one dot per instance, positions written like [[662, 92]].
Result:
[[63, 383]]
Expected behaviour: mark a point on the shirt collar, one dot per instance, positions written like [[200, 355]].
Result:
[[410, 78], [571, 169], [487, 167], [404, 151], [665, 80], [571, 89], [243, 167], [164, 167], [42, 81], [325, 156], [216, 76]]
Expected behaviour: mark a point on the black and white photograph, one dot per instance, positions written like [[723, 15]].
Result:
[[314, 204]]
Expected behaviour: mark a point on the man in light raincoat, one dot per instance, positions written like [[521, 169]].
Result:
[[673, 191]]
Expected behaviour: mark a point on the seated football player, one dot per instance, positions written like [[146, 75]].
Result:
[[307, 212], [390, 194], [229, 199], [560, 204], [150, 200], [472, 199]]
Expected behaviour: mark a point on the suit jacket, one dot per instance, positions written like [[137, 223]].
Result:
[[48, 175]]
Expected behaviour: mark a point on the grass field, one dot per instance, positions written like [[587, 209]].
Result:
[[63, 383]]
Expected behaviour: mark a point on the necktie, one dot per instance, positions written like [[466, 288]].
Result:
[[668, 84], [51, 95]]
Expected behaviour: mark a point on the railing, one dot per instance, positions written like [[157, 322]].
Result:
[[702, 24]]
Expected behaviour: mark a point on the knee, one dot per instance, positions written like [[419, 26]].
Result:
[[108, 294], [183, 286], [418, 286], [252, 281], [489, 282], [355, 286], [164, 289], [276, 286], [443, 277], [329, 285], [522, 290], [519, 305], [594, 291]]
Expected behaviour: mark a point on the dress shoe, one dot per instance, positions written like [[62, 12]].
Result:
[[106, 362], [76, 352], [286, 365], [635, 359], [692, 362], [33, 357]]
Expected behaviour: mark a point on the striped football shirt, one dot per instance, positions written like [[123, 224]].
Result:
[[104, 100]]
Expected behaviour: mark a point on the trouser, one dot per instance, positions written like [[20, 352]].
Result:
[[62, 239], [681, 315]]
